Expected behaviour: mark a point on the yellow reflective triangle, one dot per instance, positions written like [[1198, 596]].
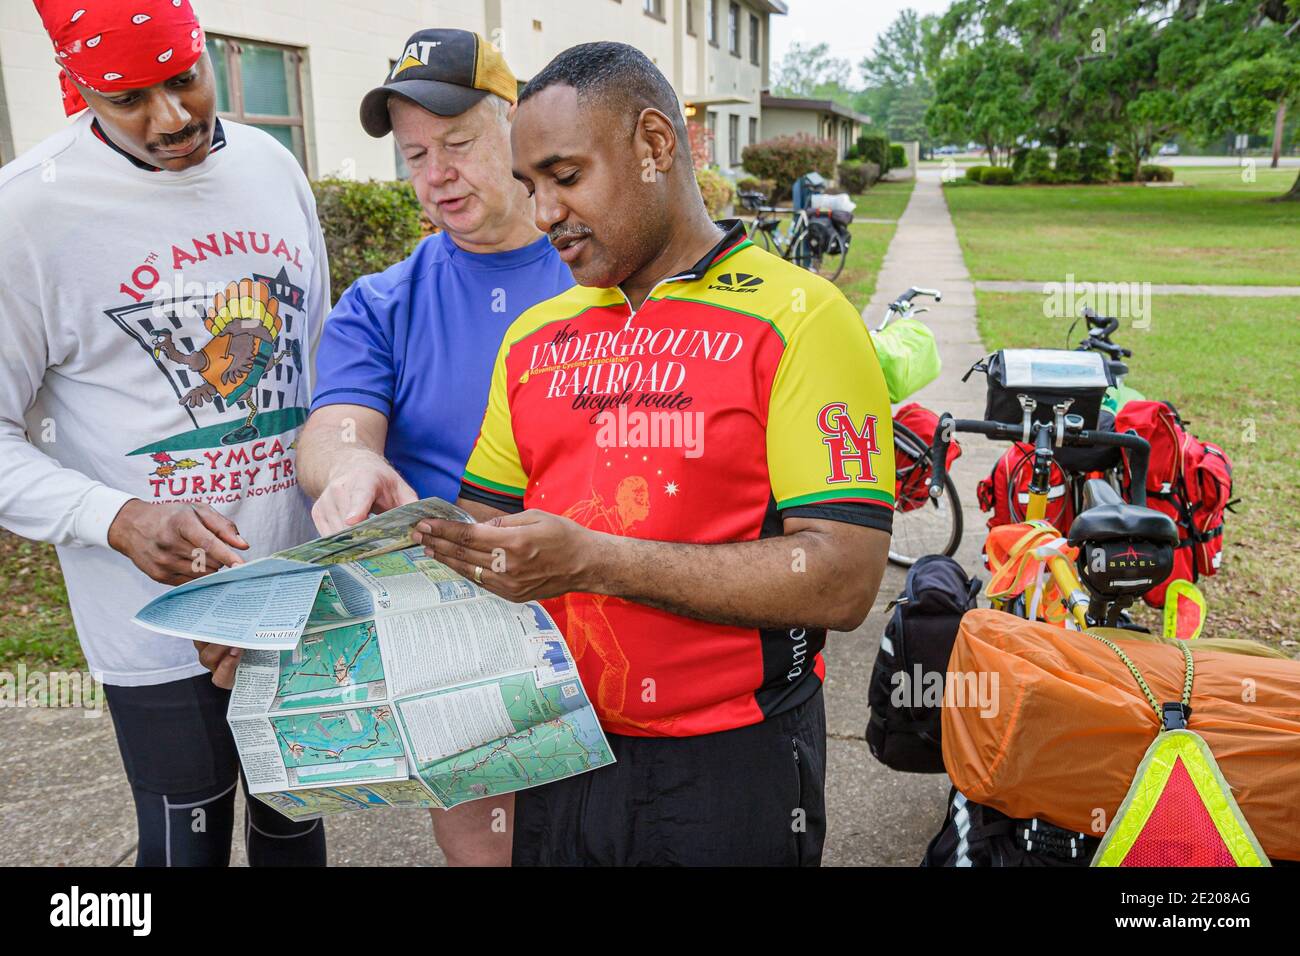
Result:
[[1179, 811], [1184, 610], [406, 64]]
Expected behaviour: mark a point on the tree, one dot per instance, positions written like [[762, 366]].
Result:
[[979, 94], [811, 72], [899, 87], [1246, 81]]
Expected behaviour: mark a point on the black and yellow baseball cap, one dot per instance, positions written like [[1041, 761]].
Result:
[[444, 71]]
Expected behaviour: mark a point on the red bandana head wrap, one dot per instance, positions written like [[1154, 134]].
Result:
[[115, 45]]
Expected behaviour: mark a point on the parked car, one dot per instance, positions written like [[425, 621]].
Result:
[[1169, 149]]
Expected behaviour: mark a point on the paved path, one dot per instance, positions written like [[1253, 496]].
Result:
[[63, 799], [1242, 291]]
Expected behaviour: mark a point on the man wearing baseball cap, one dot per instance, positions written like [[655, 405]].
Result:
[[164, 284], [406, 359]]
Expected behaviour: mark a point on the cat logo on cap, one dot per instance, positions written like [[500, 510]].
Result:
[[417, 54]]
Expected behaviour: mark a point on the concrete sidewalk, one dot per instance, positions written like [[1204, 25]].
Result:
[[64, 801]]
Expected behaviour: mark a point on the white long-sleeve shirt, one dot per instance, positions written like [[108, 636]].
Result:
[[122, 376]]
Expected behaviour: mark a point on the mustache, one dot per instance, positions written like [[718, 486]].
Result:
[[175, 139], [562, 231]]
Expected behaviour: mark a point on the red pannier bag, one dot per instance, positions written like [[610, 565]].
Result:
[[912, 482], [1187, 479], [1005, 492]]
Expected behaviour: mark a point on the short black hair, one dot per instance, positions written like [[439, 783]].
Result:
[[617, 73]]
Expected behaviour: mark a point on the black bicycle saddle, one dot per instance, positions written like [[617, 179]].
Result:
[[1109, 518]]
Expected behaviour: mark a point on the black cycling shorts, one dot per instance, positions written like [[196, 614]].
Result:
[[754, 796]]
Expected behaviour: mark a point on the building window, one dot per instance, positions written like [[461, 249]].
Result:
[[690, 17], [260, 84], [733, 28], [753, 129], [733, 137], [711, 124], [753, 39], [713, 22], [653, 8]]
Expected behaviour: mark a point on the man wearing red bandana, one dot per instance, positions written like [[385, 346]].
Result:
[[165, 285]]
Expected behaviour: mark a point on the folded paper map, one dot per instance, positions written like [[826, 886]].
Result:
[[375, 676]]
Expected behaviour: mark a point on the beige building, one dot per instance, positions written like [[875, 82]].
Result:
[[824, 119], [299, 69]]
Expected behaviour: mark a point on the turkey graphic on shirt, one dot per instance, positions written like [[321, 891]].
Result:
[[245, 325]]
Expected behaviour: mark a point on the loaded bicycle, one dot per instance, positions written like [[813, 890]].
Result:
[[923, 523], [818, 239]]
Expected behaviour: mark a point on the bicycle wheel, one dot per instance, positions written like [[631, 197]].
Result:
[[763, 239], [933, 528], [922, 525], [827, 262]]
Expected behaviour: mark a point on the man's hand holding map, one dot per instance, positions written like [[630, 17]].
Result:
[[375, 676]]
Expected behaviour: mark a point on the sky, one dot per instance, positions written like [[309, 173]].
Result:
[[850, 27]]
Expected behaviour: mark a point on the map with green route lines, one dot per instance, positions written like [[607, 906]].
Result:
[[330, 668], [358, 734], [556, 735]]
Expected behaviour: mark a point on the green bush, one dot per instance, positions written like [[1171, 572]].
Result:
[[1037, 167], [717, 191], [858, 177], [1124, 168], [976, 173], [368, 226], [1094, 165], [1018, 161], [897, 156], [784, 159], [1067, 165], [997, 176], [1157, 174], [748, 184], [874, 148]]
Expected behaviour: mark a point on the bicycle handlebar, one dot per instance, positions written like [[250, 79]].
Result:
[[1042, 433], [913, 292], [1101, 325]]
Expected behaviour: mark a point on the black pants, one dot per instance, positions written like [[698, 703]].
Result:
[[754, 796], [181, 762]]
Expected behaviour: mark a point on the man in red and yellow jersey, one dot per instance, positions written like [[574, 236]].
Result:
[[688, 458]]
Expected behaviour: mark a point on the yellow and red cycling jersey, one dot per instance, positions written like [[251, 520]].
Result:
[[744, 390]]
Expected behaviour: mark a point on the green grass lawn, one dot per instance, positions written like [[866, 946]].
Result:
[[883, 200], [1216, 231], [1271, 182], [1229, 365], [37, 623]]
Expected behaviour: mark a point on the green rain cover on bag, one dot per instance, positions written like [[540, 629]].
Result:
[[908, 356], [1117, 396]]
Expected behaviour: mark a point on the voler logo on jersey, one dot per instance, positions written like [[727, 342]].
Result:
[[416, 54], [847, 443], [737, 282]]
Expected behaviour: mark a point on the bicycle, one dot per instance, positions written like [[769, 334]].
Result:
[[813, 243], [923, 523], [1127, 548]]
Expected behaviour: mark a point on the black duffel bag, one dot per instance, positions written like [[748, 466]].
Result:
[[903, 731]]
